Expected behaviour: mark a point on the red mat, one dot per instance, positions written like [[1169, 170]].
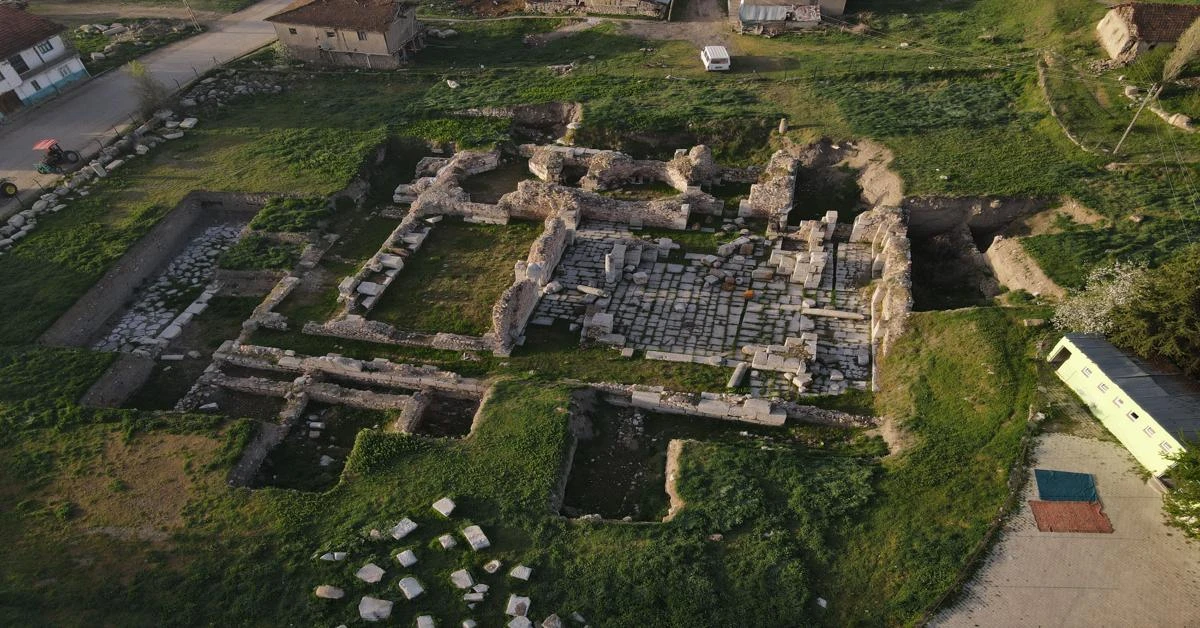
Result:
[[1070, 517]]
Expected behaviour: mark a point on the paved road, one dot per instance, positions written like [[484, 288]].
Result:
[[1143, 574], [92, 110]]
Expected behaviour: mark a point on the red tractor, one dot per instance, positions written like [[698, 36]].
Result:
[[56, 158]]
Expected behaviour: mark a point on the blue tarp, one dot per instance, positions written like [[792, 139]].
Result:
[[1065, 486]]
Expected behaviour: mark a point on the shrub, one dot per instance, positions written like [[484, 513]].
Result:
[[291, 214], [256, 252]]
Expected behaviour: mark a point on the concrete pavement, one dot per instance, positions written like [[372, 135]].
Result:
[[92, 112], [1143, 574]]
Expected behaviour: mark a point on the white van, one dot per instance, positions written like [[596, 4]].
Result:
[[715, 58]]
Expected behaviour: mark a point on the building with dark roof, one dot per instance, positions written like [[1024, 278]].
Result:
[[1131, 28], [772, 17], [35, 62], [374, 34], [1153, 412]]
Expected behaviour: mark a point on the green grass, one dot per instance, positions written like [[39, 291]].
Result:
[[257, 252], [960, 383], [248, 558], [451, 283]]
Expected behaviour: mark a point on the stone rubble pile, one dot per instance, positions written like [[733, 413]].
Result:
[[223, 88]]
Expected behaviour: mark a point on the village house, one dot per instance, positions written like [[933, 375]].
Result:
[[1129, 29], [36, 63], [374, 34], [772, 17], [1150, 411]]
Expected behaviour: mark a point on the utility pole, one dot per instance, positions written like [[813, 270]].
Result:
[[192, 15], [1151, 95]]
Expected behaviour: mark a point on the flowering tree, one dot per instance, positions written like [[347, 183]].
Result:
[[1182, 505], [1108, 288]]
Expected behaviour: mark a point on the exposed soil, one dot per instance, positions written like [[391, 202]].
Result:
[[488, 187], [703, 23], [1049, 221], [620, 467], [138, 489], [448, 417], [296, 462], [1016, 270], [244, 405], [74, 12], [819, 190]]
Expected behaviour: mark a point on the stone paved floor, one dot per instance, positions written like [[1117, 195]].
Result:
[[1143, 574], [683, 309], [172, 291]]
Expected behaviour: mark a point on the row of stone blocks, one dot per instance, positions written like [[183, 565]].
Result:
[[713, 405]]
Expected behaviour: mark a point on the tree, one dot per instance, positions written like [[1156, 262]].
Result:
[[1107, 289], [1162, 320], [151, 93], [1182, 505], [1184, 52]]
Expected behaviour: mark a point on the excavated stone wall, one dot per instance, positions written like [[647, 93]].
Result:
[[511, 312]]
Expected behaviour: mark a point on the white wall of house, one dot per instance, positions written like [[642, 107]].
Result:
[[49, 64], [53, 75], [1114, 34], [1139, 431]]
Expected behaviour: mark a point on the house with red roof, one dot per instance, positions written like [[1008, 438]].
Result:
[[372, 34], [36, 63], [1134, 27]]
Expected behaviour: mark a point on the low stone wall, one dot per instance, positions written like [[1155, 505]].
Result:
[[645, 8], [267, 437], [538, 200], [711, 405], [373, 372], [108, 296], [264, 314], [355, 327]]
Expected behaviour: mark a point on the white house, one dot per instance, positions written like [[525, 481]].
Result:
[[1152, 412], [36, 63]]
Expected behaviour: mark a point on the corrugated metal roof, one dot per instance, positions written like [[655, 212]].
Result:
[[1171, 399], [778, 12]]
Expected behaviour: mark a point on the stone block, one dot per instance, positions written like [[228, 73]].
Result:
[[374, 609], [370, 573], [410, 587], [476, 538], [407, 558], [517, 606]]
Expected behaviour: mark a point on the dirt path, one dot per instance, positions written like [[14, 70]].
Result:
[[542, 39], [74, 13], [703, 24]]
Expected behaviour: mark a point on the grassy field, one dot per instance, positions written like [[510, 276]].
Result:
[[220, 556], [961, 383], [452, 282], [791, 523]]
